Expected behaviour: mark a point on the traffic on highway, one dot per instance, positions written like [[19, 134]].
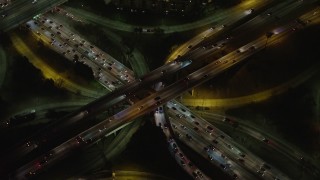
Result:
[[226, 44]]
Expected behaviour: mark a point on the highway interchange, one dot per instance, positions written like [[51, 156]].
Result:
[[214, 145]]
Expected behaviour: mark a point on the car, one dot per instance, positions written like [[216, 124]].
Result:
[[226, 119], [157, 98], [223, 166], [30, 174], [139, 108], [266, 140], [178, 115], [269, 14], [158, 103], [223, 156], [46, 158], [190, 46], [196, 123], [252, 48], [241, 160], [215, 141], [165, 125], [235, 176], [242, 155], [188, 137], [205, 76], [173, 108], [183, 163], [190, 164], [210, 128], [206, 149], [79, 139], [183, 110], [199, 174], [260, 172], [262, 169], [174, 145], [29, 143], [196, 129], [195, 175]]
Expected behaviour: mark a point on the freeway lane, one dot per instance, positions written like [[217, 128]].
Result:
[[77, 115], [200, 130], [49, 72], [23, 10], [55, 129], [213, 155], [237, 14], [176, 152], [108, 71], [149, 103], [282, 147], [222, 14], [247, 47]]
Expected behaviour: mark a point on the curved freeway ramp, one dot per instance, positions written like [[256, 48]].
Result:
[[124, 175], [256, 97]]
